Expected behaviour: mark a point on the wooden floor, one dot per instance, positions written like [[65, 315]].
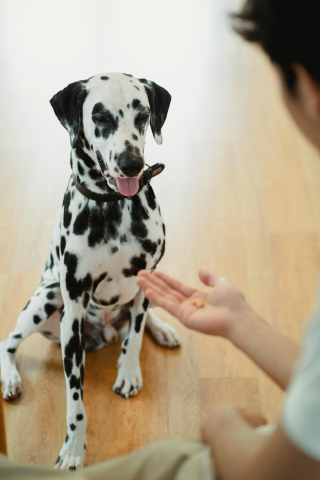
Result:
[[240, 195]]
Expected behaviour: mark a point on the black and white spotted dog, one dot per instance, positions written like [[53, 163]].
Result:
[[107, 229]]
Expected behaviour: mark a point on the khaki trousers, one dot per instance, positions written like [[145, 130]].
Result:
[[163, 460]]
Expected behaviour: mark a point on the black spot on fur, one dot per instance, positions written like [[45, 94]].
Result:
[[51, 261], [134, 136], [62, 315], [114, 249], [121, 113], [62, 244], [75, 287], [98, 280], [145, 304], [36, 319], [136, 87], [11, 350], [126, 341], [104, 77], [143, 80], [137, 264], [81, 223], [82, 374], [80, 169], [73, 427], [164, 228], [73, 381], [124, 351], [74, 346], [149, 246], [102, 221], [150, 197], [127, 74], [94, 174], [84, 157], [123, 239], [53, 285], [79, 417], [67, 438], [58, 251], [105, 303], [49, 309], [67, 363], [75, 396], [128, 105], [58, 460], [139, 319], [136, 103], [86, 299], [66, 213], [138, 214], [129, 146], [51, 295], [18, 335], [106, 123], [27, 305], [161, 254]]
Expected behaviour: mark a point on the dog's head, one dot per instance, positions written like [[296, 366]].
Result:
[[107, 117]]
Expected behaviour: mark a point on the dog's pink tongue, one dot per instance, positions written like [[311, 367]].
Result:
[[127, 186]]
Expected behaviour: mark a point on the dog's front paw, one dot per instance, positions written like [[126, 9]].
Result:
[[10, 378], [163, 333], [71, 455], [129, 380], [11, 386]]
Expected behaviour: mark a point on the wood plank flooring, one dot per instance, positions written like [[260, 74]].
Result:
[[240, 195]]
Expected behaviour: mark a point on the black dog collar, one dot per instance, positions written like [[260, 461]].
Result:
[[111, 197]]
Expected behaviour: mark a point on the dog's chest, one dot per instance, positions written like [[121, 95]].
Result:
[[115, 240]]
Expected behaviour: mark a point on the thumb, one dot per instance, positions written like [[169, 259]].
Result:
[[207, 278]]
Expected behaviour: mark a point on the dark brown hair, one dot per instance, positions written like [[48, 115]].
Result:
[[287, 30]]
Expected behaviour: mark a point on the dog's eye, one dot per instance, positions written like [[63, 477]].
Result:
[[143, 116], [100, 117]]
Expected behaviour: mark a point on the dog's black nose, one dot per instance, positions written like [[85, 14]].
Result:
[[130, 164]]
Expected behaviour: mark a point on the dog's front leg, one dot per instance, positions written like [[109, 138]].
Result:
[[73, 353], [129, 379]]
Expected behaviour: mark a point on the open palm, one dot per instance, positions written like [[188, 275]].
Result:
[[221, 306]]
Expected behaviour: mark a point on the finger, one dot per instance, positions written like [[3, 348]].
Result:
[[162, 301], [152, 279], [208, 278], [175, 284], [252, 418], [145, 283]]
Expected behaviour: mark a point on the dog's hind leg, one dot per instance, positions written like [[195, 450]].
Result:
[[40, 307], [163, 333]]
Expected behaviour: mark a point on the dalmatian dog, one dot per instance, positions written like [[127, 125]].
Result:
[[107, 229]]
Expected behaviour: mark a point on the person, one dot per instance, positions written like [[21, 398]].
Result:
[[288, 31]]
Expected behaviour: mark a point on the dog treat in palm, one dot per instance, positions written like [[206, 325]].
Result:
[[198, 302]]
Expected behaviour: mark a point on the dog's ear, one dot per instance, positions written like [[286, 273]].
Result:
[[67, 105], [159, 101]]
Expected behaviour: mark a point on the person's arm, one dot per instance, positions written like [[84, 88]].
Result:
[[225, 313], [242, 452]]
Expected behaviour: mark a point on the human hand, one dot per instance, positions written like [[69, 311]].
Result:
[[223, 306], [231, 432]]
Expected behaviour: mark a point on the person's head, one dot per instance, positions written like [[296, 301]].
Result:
[[289, 32]]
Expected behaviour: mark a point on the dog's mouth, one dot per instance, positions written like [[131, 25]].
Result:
[[126, 186]]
